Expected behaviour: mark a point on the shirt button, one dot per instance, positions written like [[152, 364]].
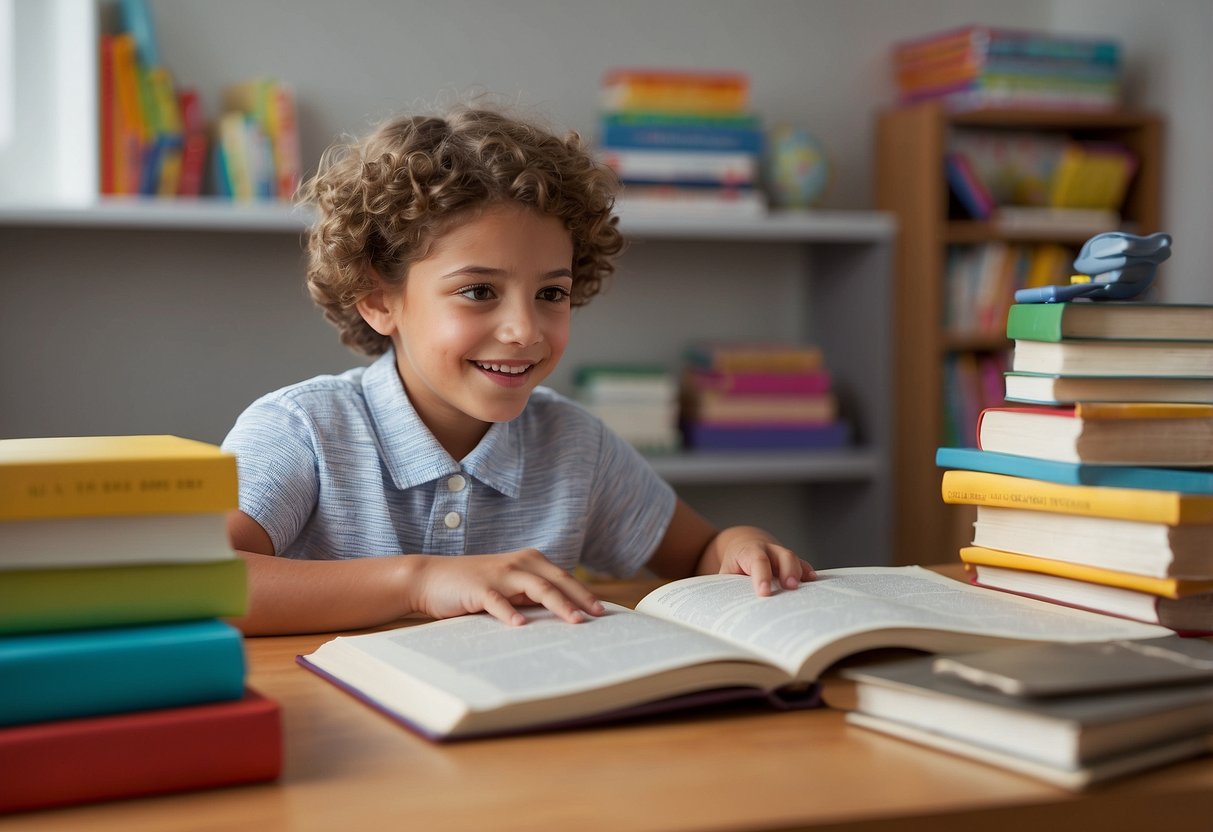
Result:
[[456, 483], [452, 520]]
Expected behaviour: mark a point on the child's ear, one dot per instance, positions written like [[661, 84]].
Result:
[[376, 307]]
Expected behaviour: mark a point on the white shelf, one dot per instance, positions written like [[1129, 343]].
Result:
[[726, 467], [214, 214]]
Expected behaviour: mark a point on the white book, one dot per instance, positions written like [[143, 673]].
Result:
[[114, 541]]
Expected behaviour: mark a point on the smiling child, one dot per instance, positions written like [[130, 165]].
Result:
[[443, 479]]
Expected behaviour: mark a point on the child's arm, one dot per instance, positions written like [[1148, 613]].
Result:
[[298, 596], [692, 546]]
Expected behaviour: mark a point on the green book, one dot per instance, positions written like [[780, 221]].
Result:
[[46, 600], [1111, 321]]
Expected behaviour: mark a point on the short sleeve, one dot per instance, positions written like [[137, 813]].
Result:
[[629, 510], [273, 442]]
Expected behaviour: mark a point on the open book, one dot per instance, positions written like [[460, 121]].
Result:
[[694, 641]]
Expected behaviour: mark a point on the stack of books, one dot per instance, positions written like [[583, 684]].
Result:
[[638, 402], [747, 396], [1091, 494], [982, 66], [1070, 714], [682, 141], [119, 678]]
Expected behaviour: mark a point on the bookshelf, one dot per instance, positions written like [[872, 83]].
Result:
[[910, 145], [838, 501]]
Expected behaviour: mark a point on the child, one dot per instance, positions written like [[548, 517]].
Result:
[[455, 248]]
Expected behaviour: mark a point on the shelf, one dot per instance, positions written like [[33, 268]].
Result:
[[1067, 120], [727, 467], [214, 214]]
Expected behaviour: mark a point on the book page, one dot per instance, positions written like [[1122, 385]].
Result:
[[486, 663], [853, 609]]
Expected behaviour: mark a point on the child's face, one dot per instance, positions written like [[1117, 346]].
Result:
[[482, 320]]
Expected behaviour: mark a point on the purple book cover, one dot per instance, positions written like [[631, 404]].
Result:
[[791, 699], [765, 437]]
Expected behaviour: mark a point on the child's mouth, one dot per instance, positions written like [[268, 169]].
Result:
[[508, 375]]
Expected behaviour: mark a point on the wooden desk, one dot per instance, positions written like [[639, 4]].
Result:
[[348, 768]]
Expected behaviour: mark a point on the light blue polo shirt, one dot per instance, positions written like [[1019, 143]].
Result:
[[341, 467]]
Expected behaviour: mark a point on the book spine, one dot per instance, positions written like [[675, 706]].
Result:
[[1035, 321], [677, 167], [743, 383], [139, 754], [83, 673], [765, 437], [983, 489], [687, 137], [111, 488], [46, 600], [1162, 587]]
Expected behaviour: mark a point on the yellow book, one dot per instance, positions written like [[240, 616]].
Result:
[[977, 488], [91, 476], [1164, 587]]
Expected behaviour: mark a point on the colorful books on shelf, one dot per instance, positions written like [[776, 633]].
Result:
[[1073, 736], [981, 280], [682, 142], [114, 572], [638, 402], [759, 396], [972, 67], [153, 137], [972, 382], [259, 140], [705, 639]]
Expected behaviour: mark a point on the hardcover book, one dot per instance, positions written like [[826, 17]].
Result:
[[1148, 434], [113, 475], [43, 600], [1073, 741], [1166, 587], [1179, 480], [1094, 357], [1064, 669], [1188, 614], [695, 639], [1037, 388], [143, 753], [79, 673], [1124, 320]]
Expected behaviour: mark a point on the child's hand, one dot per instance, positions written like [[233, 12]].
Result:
[[745, 550], [443, 587]]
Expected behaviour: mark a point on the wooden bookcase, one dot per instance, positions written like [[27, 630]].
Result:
[[910, 146]]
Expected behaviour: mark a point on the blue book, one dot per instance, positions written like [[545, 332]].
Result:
[[1184, 481], [79, 673], [676, 136]]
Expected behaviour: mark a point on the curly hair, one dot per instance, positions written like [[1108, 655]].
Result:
[[383, 200]]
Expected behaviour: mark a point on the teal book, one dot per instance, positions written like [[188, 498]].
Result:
[[1185, 481], [80, 673]]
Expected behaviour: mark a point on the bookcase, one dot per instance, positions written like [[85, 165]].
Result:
[[910, 183], [192, 308]]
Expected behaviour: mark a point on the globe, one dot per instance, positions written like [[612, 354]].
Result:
[[797, 169]]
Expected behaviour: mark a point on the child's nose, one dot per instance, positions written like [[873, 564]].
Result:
[[519, 325]]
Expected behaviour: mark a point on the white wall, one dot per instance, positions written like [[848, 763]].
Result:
[[1169, 49]]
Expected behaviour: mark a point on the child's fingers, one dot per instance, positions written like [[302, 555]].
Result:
[[760, 574], [573, 589], [542, 591], [498, 606], [790, 568]]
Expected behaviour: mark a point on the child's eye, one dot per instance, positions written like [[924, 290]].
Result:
[[554, 294], [480, 291]]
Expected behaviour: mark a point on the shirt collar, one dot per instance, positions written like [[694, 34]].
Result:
[[414, 457]]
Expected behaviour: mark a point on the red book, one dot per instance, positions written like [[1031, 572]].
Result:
[[105, 109], [193, 144], [758, 382], [65, 762]]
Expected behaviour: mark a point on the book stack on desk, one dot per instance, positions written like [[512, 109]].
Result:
[[759, 396], [1105, 504], [1070, 714], [120, 679]]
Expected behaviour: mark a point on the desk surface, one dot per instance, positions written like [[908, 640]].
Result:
[[349, 768]]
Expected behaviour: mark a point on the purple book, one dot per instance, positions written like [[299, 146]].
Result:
[[765, 437]]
